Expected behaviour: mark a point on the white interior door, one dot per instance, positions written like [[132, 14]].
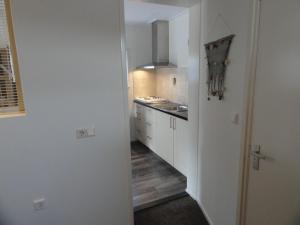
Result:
[[274, 189]]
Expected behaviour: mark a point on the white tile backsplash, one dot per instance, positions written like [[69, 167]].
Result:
[[160, 83], [165, 87]]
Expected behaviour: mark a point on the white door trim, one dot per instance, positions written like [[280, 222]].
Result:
[[125, 106], [248, 111]]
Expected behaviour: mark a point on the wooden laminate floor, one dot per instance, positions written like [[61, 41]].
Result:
[[153, 180], [183, 211]]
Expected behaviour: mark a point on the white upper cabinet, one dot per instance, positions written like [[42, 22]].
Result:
[[179, 40]]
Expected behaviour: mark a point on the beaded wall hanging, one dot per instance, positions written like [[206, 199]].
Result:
[[217, 56]]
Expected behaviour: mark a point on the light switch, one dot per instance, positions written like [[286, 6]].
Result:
[[39, 204], [85, 132]]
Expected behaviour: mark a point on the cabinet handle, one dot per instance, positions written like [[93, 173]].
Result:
[[150, 138], [171, 122], [148, 124], [174, 124]]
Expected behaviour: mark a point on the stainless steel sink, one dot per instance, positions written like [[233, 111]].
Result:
[[171, 107], [182, 108]]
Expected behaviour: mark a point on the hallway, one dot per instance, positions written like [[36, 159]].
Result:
[[153, 180]]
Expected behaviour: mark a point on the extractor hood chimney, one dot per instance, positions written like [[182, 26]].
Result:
[[160, 46]]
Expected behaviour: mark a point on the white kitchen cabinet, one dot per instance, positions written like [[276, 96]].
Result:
[[171, 140], [181, 145], [139, 124], [144, 122], [149, 128], [179, 40], [164, 136]]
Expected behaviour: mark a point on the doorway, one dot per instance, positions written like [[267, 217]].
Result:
[[163, 104], [272, 163]]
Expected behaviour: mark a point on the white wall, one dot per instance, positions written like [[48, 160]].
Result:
[[219, 138], [165, 87], [70, 62], [139, 44]]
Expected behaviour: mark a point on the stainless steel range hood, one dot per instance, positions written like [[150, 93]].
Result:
[[160, 46]]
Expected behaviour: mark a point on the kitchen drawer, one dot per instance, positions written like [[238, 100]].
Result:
[[140, 135], [144, 124], [139, 108], [139, 124], [149, 115], [148, 130], [149, 141]]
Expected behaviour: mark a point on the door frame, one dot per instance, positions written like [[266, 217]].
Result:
[[249, 111], [124, 81]]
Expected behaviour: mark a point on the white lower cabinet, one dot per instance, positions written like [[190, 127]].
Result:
[[139, 124], [164, 134], [181, 145], [171, 140], [149, 127], [144, 125]]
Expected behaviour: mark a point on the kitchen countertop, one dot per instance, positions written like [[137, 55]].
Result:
[[182, 115]]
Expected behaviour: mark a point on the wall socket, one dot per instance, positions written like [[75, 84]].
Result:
[[85, 132], [39, 204]]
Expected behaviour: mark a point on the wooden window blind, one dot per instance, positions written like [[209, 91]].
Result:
[[11, 98]]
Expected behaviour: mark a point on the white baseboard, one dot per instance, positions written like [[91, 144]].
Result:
[[191, 194], [205, 213]]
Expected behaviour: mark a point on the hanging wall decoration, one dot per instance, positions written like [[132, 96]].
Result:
[[217, 56]]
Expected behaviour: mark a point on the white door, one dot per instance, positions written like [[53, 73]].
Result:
[[274, 189], [164, 136]]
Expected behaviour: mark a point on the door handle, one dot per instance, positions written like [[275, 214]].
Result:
[[257, 156], [174, 123], [171, 123]]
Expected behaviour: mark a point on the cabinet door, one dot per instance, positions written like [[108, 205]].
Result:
[[181, 146], [179, 38], [164, 136], [139, 122], [149, 128]]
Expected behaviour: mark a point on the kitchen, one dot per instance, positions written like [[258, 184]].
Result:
[[162, 91]]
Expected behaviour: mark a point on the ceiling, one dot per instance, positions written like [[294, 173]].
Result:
[[137, 12]]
